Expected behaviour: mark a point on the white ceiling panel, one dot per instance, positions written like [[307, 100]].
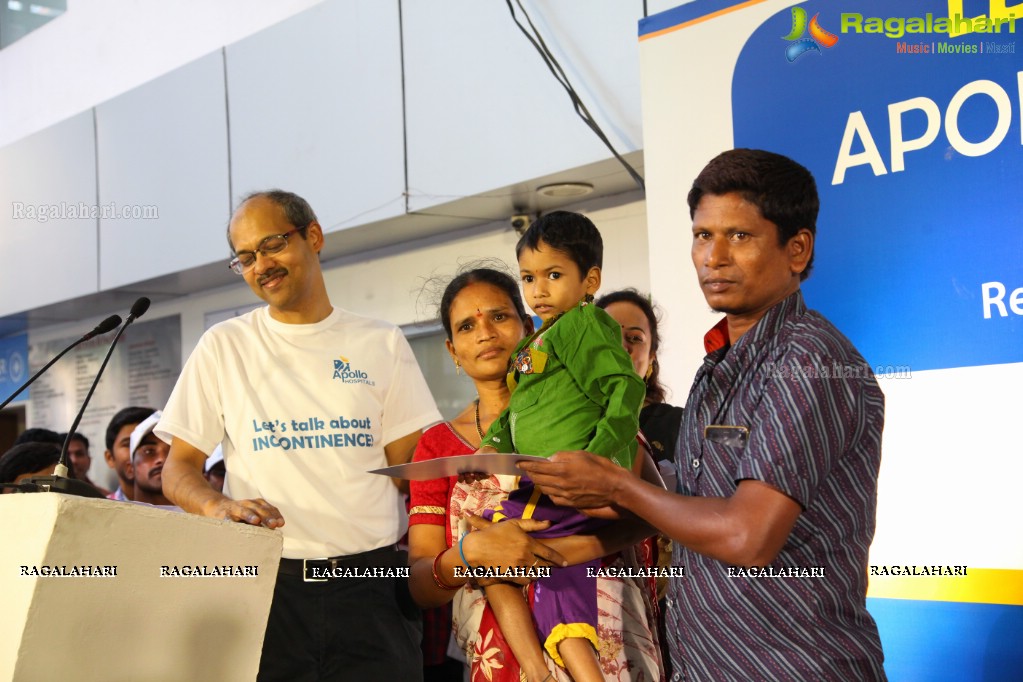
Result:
[[316, 109], [47, 226], [163, 164], [469, 71]]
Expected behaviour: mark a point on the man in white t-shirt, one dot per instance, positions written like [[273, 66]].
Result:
[[306, 398]]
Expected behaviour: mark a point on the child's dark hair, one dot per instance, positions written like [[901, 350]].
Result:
[[655, 391], [573, 234], [501, 280]]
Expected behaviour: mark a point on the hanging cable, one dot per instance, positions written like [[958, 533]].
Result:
[[559, 74]]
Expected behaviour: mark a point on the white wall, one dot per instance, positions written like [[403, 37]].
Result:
[[478, 95], [164, 145], [470, 127], [670, 118], [387, 283], [60, 161], [369, 112], [99, 49]]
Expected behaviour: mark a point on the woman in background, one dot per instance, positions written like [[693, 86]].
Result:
[[659, 421], [484, 319]]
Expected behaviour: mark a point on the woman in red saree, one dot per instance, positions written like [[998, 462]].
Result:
[[484, 319]]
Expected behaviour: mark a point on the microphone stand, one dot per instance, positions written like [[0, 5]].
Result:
[[101, 328], [59, 482]]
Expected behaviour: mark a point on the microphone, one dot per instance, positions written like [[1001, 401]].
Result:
[[138, 309], [101, 328], [105, 326], [59, 482]]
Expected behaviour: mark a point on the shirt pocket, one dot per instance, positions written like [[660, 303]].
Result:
[[714, 469], [535, 418]]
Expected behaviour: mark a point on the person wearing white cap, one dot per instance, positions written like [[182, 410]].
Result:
[[148, 455]]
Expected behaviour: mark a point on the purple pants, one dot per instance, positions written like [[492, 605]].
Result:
[[565, 604]]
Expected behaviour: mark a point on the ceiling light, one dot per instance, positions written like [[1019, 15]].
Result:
[[565, 190]]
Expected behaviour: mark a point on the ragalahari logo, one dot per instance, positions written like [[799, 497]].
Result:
[[800, 45]]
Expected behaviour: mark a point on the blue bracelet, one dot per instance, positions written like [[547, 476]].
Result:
[[461, 552]]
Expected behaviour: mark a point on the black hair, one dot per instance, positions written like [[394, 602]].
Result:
[[783, 191], [655, 391], [27, 458], [75, 436], [296, 209], [485, 275], [573, 234], [129, 415], [39, 436]]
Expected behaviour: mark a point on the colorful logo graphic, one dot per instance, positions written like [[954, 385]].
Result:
[[343, 371], [800, 45]]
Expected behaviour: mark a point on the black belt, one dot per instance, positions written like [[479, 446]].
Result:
[[383, 557]]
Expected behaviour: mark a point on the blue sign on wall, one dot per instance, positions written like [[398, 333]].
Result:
[[13, 365], [916, 144], [914, 137]]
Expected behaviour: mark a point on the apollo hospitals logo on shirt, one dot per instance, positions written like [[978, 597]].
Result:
[[343, 371]]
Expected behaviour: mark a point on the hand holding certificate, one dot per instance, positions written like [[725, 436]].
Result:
[[487, 463]]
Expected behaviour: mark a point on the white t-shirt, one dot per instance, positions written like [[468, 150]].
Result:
[[304, 411]]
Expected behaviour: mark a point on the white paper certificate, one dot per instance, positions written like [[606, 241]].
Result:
[[442, 467]]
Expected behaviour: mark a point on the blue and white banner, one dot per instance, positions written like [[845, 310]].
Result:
[[909, 116], [915, 141]]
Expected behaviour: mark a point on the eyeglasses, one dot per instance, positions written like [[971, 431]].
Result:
[[275, 243]]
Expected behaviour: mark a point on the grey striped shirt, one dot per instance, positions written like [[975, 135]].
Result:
[[814, 415]]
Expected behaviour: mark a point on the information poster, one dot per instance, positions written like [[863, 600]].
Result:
[[142, 371]]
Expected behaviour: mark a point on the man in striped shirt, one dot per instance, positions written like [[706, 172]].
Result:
[[777, 456]]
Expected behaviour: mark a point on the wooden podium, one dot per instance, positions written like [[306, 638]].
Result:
[[120, 592]]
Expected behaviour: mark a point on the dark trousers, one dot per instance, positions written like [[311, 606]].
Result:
[[343, 629]]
